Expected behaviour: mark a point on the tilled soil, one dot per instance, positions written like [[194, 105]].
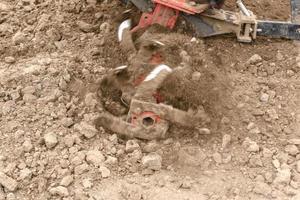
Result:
[[52, 56]]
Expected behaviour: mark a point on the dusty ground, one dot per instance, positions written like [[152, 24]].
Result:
[[53, 52]]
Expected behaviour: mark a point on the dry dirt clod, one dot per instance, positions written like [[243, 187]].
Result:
[[86, 129], [152, 161], [250, 145], [292, 150], [283, 176], [217, 157], [87, 183], [95, 157], [226, 141], [255, 59], [264, 97], [25, 173], [294, 141], [105, 172], [85, 27], [50, 140], [7, 182], [262, 188], [27, 146], [60, 191], [66, 181], [9, 59], [204, 131], [131, 146], [151, 147]]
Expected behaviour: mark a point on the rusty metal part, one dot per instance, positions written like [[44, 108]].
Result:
[[141, 130], [161, 15]]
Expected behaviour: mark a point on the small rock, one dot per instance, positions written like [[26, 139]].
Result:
[[85, 27], [152, 161], [91, 2], [269, 177], [25, 173], [131, 145], [4, 7], [276, 163], [29, 90], [105, 172], [111, 160], [186, 184], [86, 129], [292, 149], [66, 181], [60, 191], [255, 131], [50, 140], [90, 100], [7, 182], [114, 139], [298, 166], [80, 169], [267, 153], [283, 176], [255, 161], [151, 147], [290, 73], [29, 98], [9, 60], [69, 140], [67, 122], [19, 38], [27, 146], [87, 183], [295, 141], [217, 157], [262, 188], [105, 27], [226, 141], [95, 157], [204, 131], [250, 145], [196, 76], [11, 196], [264, 97], [255, 59]]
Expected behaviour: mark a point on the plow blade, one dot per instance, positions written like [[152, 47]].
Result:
[[279, 29]]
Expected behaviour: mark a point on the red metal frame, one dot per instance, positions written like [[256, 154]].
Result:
[[161, 15], [166, 13]]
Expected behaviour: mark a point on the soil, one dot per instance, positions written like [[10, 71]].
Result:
[[53, 55]]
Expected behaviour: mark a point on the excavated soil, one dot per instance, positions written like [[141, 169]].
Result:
[[53, 55]]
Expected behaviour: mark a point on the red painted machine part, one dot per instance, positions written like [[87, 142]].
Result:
[[162, 15]]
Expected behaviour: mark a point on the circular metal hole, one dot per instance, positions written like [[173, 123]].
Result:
[[148, 121]]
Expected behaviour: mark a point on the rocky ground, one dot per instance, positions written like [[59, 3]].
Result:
[[51, 55]]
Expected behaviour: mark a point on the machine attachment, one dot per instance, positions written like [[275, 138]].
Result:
[[208, 21]]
